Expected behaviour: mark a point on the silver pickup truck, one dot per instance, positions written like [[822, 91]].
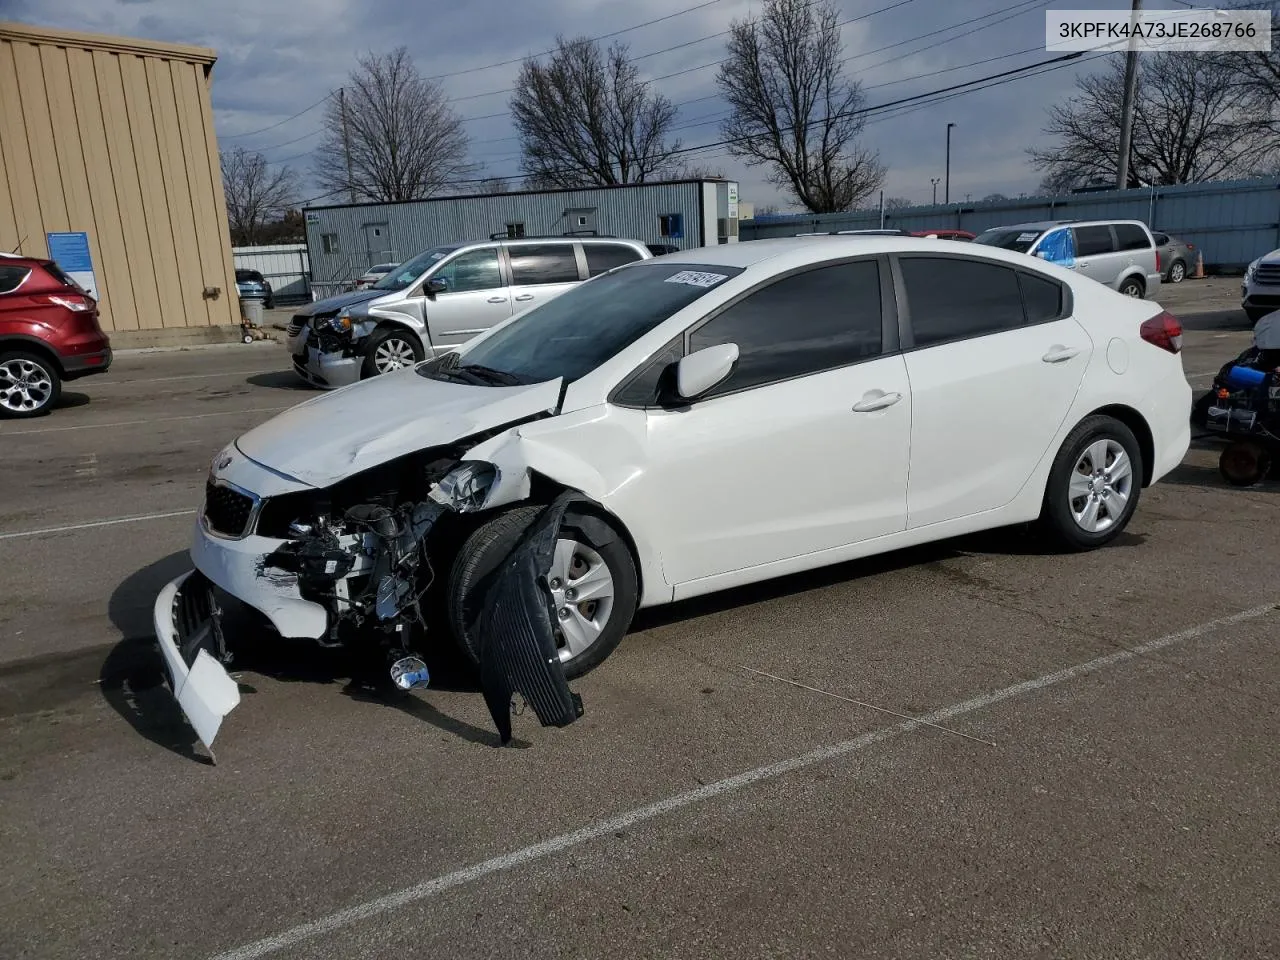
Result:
[[439, 300]]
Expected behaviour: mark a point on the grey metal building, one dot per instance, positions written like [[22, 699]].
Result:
[[345, 240]]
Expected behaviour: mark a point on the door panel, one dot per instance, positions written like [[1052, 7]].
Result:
[[781, 470], [984, 412], [1095, 253], [476, 299]]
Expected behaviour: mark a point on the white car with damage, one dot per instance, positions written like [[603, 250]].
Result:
[[727, 415]]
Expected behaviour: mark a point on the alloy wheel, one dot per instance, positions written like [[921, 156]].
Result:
[[25, 386], [1100, 487], [393, 354], [582, 590]]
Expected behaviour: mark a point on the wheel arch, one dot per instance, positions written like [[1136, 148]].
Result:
[[1134, 273], [1137, 423], [35, 346], [401, 327]]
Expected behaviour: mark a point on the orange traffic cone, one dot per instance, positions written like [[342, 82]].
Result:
[[1199, 274]]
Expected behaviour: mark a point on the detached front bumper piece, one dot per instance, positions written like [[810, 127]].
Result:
[[189, 630]]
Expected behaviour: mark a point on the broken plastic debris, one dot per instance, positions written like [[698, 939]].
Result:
[[410, 672]]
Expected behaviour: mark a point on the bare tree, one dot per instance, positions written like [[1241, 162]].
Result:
[[896, 203], [390, 134], [256, 194], [767, 210], [1256, 77], [792, 107], [1189, 125], [585, 118], [494, 185]]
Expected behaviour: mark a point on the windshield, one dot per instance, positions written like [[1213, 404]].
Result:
[[409, 271], [1018, 240], [582, 328]]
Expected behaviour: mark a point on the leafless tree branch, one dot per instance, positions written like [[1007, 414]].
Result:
[[256, 194]]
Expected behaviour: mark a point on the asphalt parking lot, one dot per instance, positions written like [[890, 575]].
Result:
[[1094, 767]]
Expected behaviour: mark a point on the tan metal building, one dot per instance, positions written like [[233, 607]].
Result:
[[113, 138]]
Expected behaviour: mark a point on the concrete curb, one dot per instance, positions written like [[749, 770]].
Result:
[[136, 351]]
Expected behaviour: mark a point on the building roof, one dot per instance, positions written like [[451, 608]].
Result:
[[30, 33], [519, 193]]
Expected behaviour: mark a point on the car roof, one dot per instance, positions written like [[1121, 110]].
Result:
[[797, 251], [1047, 224], [20, 260]]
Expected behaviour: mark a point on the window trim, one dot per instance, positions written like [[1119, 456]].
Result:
[[890, 344], [906, 332]]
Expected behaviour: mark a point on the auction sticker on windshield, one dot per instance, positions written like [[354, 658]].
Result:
[[695, 279]]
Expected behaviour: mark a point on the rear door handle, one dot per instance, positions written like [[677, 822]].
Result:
[[497, 299], [1058, 353], [876, 400], [525, 296]]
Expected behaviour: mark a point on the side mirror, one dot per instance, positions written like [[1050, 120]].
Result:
[[697, 373], [437, 285]]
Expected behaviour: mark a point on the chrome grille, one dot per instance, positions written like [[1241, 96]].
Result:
[[227, 511], [1268, 273]]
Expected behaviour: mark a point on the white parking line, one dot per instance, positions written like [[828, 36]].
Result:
[[94, 523], [507, 861], [135, 423], [188, 376]]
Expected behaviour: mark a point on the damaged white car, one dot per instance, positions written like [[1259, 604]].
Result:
[[674, 427]]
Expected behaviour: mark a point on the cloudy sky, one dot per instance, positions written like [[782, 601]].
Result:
[[278, 57]]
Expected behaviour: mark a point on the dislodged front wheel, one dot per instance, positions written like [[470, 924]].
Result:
[[592, 578], [29, 386]]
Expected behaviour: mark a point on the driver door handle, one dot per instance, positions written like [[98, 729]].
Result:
[[1058, 353], [525, 296], [497, 299], [876, 400]]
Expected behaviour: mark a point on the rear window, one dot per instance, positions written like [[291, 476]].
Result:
[[603, 257], [1130, 236], [56, 272], [1016, 240], [11, 277], [1091, 241]]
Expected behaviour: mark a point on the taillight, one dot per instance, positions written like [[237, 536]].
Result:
[[72, 301], [1157, 261], [1164, 331]]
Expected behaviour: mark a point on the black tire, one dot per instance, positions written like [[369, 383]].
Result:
[[1244, 463], [1133, 287], [492, 542], [1056, 520], [13, 405], [1177, 271], [389, 335]]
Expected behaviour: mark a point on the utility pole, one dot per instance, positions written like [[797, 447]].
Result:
[[346, 143], [935, 181], [946, 192], [1126, 111]]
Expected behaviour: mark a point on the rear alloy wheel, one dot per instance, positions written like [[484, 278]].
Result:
[[1177, 272], [391, 350], [1094, 484], [1132, 287], [29, 385]]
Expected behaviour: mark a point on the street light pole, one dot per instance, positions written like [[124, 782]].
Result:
[[935, 181], [946, 193]]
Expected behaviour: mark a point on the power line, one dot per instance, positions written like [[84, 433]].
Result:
[[251, 133], [603, 36]]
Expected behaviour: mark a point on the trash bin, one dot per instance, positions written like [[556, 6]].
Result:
[[251, 310]]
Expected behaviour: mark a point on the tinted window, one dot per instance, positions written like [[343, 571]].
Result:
[[802, 324], [1018, 240], [1093, 240], [11, 276], [552, 263], [572, 334], [602, 257], [1130, 236], [1161, 238], [954, 299], [56, 272], [470, 271], [642, 390], [1041, 298]]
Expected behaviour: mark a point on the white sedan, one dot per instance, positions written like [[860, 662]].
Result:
[[727, 414]]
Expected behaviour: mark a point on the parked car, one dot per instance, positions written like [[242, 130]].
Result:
[[662, 249], [49, 334], [1260, 288], [681, 441], [1176, 256], [373, 275], [964, 235], [440, 299], [1120, 253], [252, 285]]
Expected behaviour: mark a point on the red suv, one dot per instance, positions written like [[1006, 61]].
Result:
[[48, 333]]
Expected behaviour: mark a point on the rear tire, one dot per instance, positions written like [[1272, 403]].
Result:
[[30, 385], [490, 544], [1177, 271], [1092, 492], [387, 348], [1133, 287]]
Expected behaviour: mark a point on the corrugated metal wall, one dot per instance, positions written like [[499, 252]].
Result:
[[633, 212], [114, 137], [1232, 223], [283, 265]]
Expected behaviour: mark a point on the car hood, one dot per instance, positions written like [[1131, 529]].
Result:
[[1272, 257], [337, 434], [335, 303]]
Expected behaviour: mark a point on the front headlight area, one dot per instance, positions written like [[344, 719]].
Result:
[[1251, 271], [466, 488]]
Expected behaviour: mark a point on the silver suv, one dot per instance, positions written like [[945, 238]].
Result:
[[1119, 253], [439, 300]]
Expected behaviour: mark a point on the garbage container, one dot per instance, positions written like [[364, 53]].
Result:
[[251, 310]]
